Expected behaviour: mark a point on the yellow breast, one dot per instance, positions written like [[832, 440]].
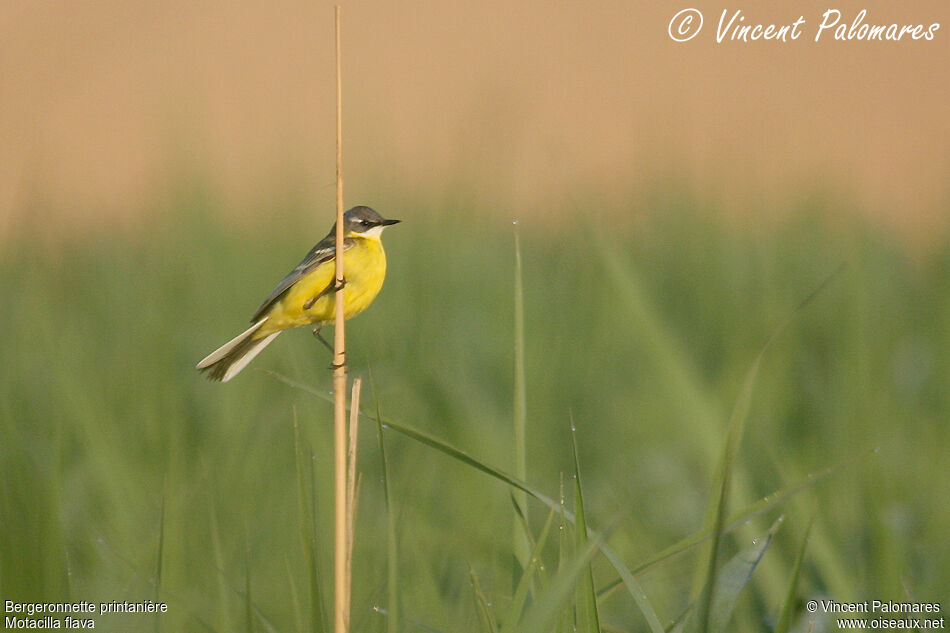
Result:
[[364, 266]]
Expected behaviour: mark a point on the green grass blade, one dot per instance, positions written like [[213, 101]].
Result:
[[522, 546], [639, 596], [587, 599], [522, 518], [700, 624], [785, 615], [485, 615], [565, 620], [550, 601], [733, 577], [524, 586], [394, 612], [305, 524], [517, 566], [588, 619]]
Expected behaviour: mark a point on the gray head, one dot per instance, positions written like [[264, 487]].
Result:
[[365, 221]]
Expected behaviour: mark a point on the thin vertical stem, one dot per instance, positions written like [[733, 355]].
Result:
[[522, 546], [340, 585]]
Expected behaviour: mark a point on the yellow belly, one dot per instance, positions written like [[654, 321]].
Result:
[[364, 266]]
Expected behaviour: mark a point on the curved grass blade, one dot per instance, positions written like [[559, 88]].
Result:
[[546, 608], [521, 517], [733, 577], [485, 615], [517, 566], [524, 586]]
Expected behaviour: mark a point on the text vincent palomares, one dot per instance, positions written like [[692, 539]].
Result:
[[831, 25]]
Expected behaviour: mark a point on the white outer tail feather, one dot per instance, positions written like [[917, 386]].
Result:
[[242, 362], [222, 351], [237, 364]]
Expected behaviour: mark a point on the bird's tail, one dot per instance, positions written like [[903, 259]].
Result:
[[225, 362]]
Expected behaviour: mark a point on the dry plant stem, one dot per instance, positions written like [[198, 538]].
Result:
[[341, 593]]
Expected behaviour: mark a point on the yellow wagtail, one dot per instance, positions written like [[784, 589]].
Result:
[[307, 295]]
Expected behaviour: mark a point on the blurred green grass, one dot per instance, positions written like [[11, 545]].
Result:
[[643, 335]]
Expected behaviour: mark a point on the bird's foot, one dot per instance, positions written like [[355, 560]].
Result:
[[316, 333]]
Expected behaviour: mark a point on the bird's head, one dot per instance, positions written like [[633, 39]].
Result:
[[364, 222]]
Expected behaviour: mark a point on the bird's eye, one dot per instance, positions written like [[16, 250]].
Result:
[[365, 222]]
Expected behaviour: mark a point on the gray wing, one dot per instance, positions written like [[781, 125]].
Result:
[[324, 251]]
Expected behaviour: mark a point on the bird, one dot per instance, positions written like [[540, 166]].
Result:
[[307, 295]]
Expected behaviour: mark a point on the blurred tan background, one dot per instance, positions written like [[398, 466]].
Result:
[[105, 104]]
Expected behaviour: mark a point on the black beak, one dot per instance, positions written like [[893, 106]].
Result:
[[389, 222]]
